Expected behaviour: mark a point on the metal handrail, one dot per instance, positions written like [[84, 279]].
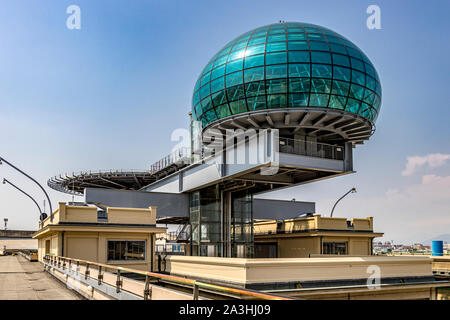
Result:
[[56, 260], [183, 153], [311, 148]]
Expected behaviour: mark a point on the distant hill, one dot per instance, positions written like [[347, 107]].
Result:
[[443, 237]]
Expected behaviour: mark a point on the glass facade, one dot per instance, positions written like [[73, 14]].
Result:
[[205, 218], [217, 229], [287, 65], [242, 245]]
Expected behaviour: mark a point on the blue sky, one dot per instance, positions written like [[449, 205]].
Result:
[[110, 94]]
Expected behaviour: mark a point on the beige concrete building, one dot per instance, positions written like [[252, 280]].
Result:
[[118, 236], [315, 235]]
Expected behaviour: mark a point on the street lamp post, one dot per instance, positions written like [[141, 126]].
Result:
[[26, 175], [41, 215], [352, 190]]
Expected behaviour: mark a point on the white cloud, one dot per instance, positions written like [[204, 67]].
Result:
[[407, 214], [432, 160]]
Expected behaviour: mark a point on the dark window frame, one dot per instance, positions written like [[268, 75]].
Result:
[[127, 242]]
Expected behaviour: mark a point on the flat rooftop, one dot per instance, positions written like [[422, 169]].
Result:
[[21, 279]]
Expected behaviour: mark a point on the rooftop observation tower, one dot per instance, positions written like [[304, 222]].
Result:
[[303, 79], [311, 96]]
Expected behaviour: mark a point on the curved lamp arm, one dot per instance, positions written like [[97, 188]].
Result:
[[352, 190], [12, 184], [48, 198]]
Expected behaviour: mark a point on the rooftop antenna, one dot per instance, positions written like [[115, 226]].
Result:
[[44, 205], [6, 223]]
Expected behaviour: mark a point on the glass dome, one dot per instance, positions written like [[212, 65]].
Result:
[[287, 65]]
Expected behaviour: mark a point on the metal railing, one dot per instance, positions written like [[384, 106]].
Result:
[[311, 149], [169, 249], [58, 261], [181, 155]]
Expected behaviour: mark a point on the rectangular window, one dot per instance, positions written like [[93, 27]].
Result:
[[339, 248], [126, 250]]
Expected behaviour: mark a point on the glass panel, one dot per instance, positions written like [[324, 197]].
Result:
[[296, 36], [299, 70], [276, 71], [126, 250], [236, 55], [239, 45], [254, 61], [369, 96], [357, 64], [321, 71], [255, 88], [354, 53], [277, 86], [320, 57], [318, 100], [369, 69], [299, 85], [206, 103], [341, 73], [316, 36], [204, 91], [276, 37], [234, 79], [356, 92], [340, 88], [321, 46], [337, 102], [254, 74], [211, 115], [257, 40], [358, 77], [276, 57], [223, 111], [235, 92], [259, 34], [341, 60], [276, 46], [217, 84], [220, 61], [276, 101], [205, 79], [352, 105], [255, 50], [218, 72], [299, 56], [238, 106], [320, 86], [256, 103], [298, 99], [298, 45], [236, 65], [337, 48], [219, 98]]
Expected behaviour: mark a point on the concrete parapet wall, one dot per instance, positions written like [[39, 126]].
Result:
[[254, 271]]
